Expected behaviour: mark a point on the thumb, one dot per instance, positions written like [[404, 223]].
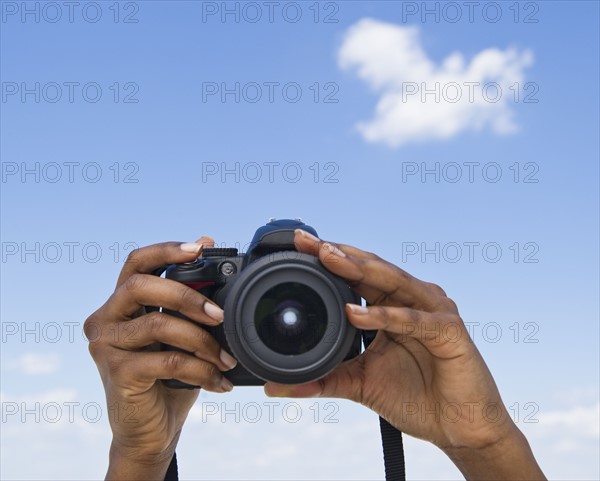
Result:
[[345, 381]]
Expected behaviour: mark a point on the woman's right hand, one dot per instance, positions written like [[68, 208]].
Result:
[[146, 417]]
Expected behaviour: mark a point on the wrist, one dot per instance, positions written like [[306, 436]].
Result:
[[507, 457], [133, 464]]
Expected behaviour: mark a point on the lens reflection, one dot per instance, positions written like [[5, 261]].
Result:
[[290, 318]]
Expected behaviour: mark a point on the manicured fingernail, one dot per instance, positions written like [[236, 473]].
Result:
[[227, 359], [311, 389], [226, 384], [356, 309], [274, 391], [213, 311], [206, 240], [191, 247], [307, 235], [333, 250]]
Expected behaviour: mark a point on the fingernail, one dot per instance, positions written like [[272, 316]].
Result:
[[333, 250], [227, 359], [307, 235], [191, 247], [206, 240], [273, 391], [213, 311], [226, 384], [356, 309], [311, 389]]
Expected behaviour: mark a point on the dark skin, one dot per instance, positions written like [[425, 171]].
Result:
[[422, 359]]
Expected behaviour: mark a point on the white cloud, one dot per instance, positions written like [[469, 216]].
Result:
[[583, 395], [565, 441], [584, 420], [50, 427], [58, 395], [391, 60], [32, 363]]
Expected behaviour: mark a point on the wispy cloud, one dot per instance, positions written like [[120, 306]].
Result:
[[267, 435], [422, 101], [584, 420], [32, 363]]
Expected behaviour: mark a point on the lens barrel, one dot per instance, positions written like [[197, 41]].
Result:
[[285, 318]]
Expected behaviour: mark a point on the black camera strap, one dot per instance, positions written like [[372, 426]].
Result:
[[393, 451], [172, 473], [391, 438]]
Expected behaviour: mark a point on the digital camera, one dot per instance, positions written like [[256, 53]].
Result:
[[284, 313]]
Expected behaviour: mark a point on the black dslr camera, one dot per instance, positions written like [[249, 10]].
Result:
[[284, 312]]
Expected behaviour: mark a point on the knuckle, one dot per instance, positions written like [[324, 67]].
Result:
[[364, 267], [173, 362], [450, 305], [436, 289], [384, 315], [203, 338], [444, 304], [404, 278], [156, 322], [90, 327], [210, 374], [135, 283], [164, 249], [134, 256], [373, 256], [452, 327], [455, 319], [415, 316], [187, 296]]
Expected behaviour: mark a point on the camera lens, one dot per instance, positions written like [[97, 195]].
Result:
[[290, 318], [285, 319]]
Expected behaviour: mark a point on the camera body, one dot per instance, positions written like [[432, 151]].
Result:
[[284, 313]]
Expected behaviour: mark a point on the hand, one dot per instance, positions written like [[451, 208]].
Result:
[[145, 416], [422, 372]]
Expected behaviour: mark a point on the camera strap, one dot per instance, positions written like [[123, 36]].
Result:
[[172, 474], [391, 438], [393, 451]]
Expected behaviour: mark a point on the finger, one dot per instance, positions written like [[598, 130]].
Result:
[[370, 276], [147, 367], [147, 259], [159, 327], [378, 281], [436, 331], [343, 382], [309, 244], [147, 290]]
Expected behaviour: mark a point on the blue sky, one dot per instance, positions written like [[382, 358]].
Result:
[[176, 131]]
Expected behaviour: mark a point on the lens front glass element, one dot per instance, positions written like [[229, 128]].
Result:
[[290, 318]]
